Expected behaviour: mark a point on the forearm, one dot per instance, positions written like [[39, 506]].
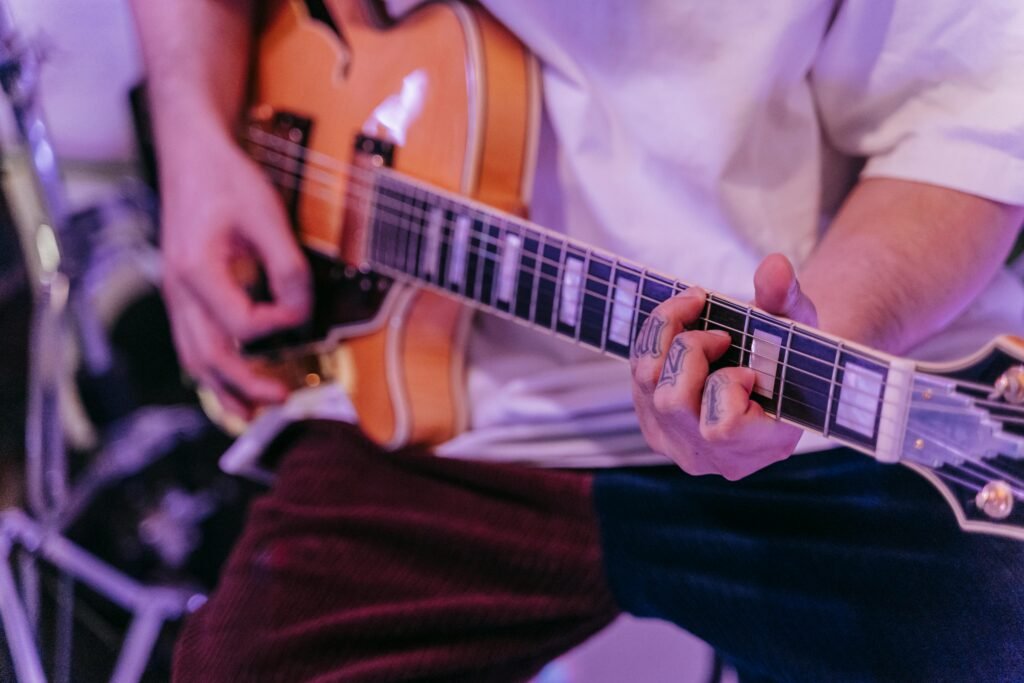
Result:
[[196, 54], [901, 259]]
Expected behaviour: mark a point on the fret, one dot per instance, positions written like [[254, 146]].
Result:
[[856, 406], [832, 389], [529, 268], [570, 293], [387, 225], [724, 316], [806, 393], [765, 340], [785, 368], [421, 202], [474, 263], [547, 284], [554, 251], [595, 307], [457, 258], [623, 309], [430, 257], [654, 290], [490, 256], [372, 219], [403, 232], [746, 342], [509, 267], [445, 228]]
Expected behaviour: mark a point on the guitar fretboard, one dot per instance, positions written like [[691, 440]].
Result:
[[514, 268]]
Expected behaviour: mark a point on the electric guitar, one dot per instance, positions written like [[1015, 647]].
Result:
[[403, 152]]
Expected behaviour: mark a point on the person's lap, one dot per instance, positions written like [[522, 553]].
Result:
[[828, 566], [366, 565]]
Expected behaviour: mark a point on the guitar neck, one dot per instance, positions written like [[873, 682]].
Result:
[[508, 266]]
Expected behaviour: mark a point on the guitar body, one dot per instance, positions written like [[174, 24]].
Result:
[[457, 96]]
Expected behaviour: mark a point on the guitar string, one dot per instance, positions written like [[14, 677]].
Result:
[[642, 297], [485, 238], [599, 308], [826, 378], [977, 461], [744, 334], [790, 381]]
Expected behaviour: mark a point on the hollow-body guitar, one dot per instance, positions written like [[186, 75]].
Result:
[[403, 151]]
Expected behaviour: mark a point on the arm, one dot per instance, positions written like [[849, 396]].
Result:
[[900, 260], [217, 207]]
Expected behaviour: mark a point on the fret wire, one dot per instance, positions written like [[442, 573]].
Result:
[[746, 334], [499, 248], [609, 304], [832, 389], [633, 332], [785, 367], [536, 277], [377, 204], [408, 238], [516, 269], [556, 303], [481, 263], [582, 294]]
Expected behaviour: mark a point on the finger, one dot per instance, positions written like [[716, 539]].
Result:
[[212, 283], [666, 321], [685, 370], [726, 403], [777, 290], [286, 268], [218, 365]]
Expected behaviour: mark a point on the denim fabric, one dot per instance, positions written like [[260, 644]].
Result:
[[826, 567]]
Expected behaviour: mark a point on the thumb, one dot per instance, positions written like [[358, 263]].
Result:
[[777, 290], [286, 268]]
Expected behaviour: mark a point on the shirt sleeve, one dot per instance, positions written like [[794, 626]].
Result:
[[928, 91]]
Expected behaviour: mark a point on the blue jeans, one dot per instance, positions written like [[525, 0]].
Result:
[[826, 567]]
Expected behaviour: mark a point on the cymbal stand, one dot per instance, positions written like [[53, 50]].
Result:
[[59, 313]]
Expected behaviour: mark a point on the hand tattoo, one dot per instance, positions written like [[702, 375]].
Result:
[[673, 363], [648, 342], [712, 400]]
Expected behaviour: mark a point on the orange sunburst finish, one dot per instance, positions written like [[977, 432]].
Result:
[[470, 130]]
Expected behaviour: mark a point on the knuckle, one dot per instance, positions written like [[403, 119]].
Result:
[[646, 376], [666, 401]]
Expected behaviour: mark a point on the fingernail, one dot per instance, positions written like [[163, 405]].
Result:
[[720, 333], [693, 293]]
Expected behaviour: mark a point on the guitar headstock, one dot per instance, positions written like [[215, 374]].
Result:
[[965, 432]]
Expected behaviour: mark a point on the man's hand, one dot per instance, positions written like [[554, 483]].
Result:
[[707, 423], [220, 215]]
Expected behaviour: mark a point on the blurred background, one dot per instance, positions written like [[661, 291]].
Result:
[[129, 515]]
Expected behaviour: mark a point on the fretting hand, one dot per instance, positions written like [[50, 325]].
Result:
[[707, 423]]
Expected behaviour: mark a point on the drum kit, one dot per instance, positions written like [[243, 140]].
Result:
[[122, 516]]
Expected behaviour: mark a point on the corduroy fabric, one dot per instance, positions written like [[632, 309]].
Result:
[[365, 565]]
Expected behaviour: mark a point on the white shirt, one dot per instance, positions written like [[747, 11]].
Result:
[[696, 137]]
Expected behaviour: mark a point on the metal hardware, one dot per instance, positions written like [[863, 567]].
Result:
[[995, 499], [1010, 386]]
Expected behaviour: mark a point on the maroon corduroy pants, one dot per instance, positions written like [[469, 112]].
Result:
[[366, 565]]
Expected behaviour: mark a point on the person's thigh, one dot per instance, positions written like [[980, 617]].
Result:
[[363, 565], [828, 566]]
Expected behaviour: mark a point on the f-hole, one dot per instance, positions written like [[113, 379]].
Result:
[[318, 12]]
